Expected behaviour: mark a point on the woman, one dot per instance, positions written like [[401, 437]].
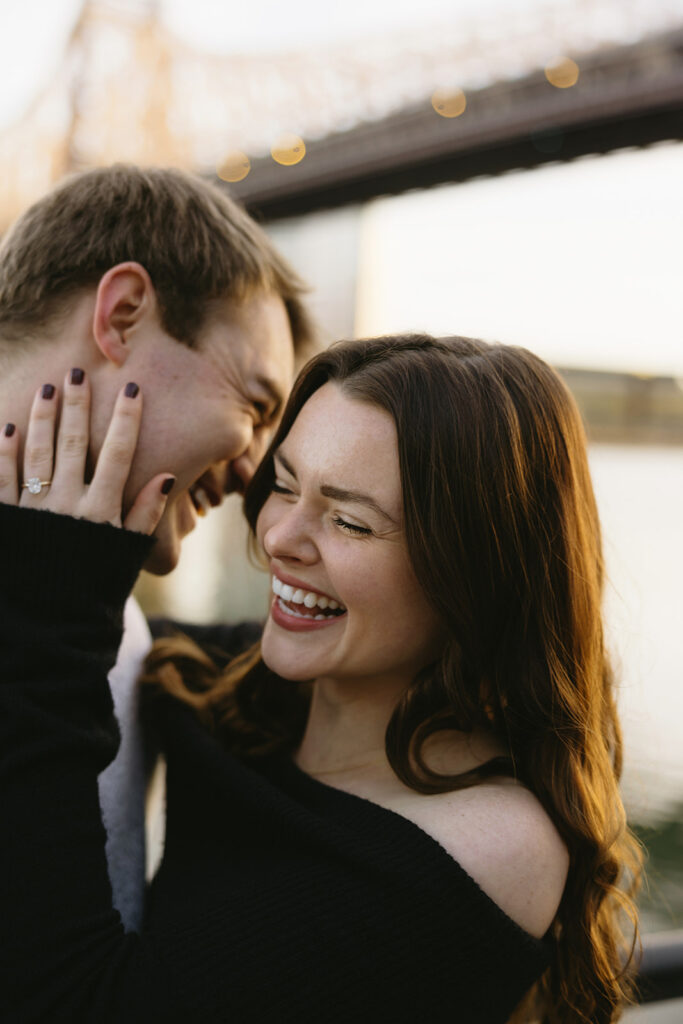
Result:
[[403, 804]]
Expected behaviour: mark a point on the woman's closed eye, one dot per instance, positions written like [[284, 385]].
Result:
[[279, 487], [360, 531]]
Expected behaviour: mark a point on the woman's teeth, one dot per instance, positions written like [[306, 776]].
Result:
[[299, 615], [307, 598]]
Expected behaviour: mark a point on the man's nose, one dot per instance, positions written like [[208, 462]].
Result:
[[242, 470], [244, 466], [260, 439]]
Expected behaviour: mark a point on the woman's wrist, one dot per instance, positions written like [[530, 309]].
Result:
[[54, 563]]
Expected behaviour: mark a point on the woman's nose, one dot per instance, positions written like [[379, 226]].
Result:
[[289, 536]]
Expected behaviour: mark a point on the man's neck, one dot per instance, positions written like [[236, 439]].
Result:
[[23, 368], [27, 364]]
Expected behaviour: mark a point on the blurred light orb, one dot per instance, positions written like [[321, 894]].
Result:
[[449, 102], [234, 167], [288, 150], [562, 72]]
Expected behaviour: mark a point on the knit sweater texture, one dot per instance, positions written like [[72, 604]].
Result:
[[280, 900]]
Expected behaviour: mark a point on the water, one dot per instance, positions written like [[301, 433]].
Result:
[[640, 496]]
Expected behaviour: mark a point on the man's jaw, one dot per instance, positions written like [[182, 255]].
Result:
[[164, 556], [178, 521]]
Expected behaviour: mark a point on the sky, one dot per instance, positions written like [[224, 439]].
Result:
[[33, 32], [269, 24]]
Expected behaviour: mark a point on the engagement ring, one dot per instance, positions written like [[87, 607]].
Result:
[[35, 485]]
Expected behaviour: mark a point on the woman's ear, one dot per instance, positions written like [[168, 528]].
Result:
[[125, 299]]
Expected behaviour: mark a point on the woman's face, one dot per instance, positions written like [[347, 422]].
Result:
[[346, 603]]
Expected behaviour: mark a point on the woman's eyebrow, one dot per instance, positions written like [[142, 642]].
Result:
[[339, 493]]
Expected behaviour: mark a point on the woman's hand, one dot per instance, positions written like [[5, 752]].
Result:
[[59, 469]]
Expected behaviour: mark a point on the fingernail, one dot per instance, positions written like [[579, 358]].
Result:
[[131, 390], [77, 375], [9, 429], [167, 485], [47, 391]]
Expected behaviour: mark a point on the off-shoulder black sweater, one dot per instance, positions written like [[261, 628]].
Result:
[[279, 900]]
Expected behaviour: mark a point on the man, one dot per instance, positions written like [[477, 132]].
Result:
[[154, 278]]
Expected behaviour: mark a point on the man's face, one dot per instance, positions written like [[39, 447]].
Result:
[[209, 412]]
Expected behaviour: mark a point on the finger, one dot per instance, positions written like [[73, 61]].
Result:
[[40, 441], [149, 505], [74, 431], [9, 477], [105, 495]]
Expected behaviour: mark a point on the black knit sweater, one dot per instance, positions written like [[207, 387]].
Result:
[[279, 900]]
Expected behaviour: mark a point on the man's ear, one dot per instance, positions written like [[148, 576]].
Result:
[[125, 299]]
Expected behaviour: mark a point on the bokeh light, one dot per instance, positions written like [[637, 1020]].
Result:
[[288, 150], [234, 167], [449, 102], [563, 72]]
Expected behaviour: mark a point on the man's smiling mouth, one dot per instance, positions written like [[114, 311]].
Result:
[[305, 604], [207, 492], [200, 500]]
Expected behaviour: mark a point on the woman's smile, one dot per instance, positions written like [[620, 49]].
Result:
[[297, 608]]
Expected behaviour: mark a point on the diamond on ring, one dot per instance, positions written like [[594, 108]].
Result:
[[34, 485]]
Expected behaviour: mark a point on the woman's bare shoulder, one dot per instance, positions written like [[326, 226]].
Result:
[[504, 839]]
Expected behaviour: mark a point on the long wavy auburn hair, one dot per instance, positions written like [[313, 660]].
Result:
[[503, 534]]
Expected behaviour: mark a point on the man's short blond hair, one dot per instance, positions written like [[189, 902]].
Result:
[[198, 246]]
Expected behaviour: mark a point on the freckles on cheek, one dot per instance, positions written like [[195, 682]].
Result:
[[367, 592]]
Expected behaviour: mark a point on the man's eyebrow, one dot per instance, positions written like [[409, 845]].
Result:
[[340, 493]]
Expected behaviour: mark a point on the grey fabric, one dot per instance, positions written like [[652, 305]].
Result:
[[122, 784]]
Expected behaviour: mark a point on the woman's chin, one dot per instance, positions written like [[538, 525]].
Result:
[[282, 660]]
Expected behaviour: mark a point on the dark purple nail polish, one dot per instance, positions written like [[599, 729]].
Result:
[[167, 485], [131, 390], [9, 429], [77, 375], [48, 391]]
